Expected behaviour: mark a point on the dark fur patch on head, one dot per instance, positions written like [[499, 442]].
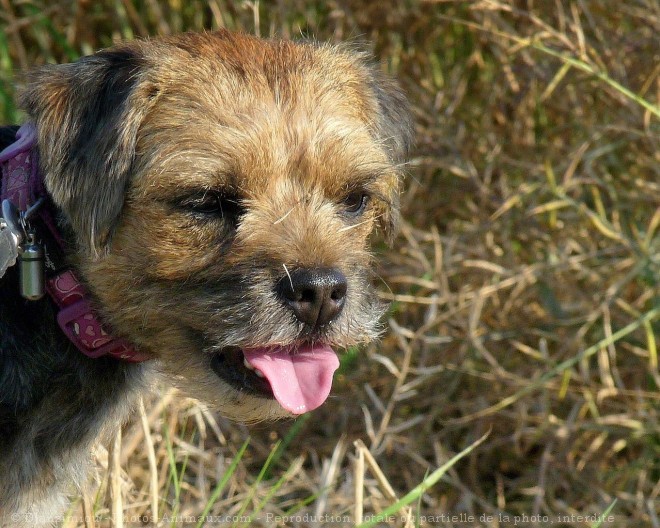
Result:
[[394, 119], [87, 121], [395, 131]]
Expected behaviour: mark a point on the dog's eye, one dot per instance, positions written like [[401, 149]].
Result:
[[355, 203], [226, 207], [206, 205]]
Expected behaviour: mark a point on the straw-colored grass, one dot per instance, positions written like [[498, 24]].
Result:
[[525, 282]]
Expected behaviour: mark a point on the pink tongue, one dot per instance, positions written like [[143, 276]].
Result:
[[300, 379]]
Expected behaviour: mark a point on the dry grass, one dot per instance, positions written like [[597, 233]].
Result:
[[524, 284]]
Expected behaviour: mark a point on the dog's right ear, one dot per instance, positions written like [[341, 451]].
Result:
[[395, 131], [87, 116]]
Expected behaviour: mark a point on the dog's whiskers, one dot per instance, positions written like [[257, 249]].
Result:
[[284, 217], [353, 226], [288, 275]]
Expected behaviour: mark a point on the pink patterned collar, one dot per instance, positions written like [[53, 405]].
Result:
[[23, 185]]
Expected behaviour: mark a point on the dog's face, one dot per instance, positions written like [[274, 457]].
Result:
[[222, 190]]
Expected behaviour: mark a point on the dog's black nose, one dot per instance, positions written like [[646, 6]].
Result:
[[316, 295]]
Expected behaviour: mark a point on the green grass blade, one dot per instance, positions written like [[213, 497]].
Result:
[[291, 434], [174, 476], [564, 365], [419, 505], [418, 490], [599, 523], [305, 502], [260, 476], [7, 105], [583, 66], [223, 482], [284, 478], [58, 36], [566, 59]]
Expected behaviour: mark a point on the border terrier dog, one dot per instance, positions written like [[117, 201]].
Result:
[[213, 194]]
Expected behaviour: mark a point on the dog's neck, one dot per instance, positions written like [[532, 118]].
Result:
[[23, 186], [54, 401]]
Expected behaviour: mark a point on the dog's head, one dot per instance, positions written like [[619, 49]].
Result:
[[222, 189]]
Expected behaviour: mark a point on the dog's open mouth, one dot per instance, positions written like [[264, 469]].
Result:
[[299, 378]]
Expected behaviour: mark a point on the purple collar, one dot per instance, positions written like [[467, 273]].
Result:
[[23, 186]]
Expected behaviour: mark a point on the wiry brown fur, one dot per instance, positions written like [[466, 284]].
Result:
[[287, 130]]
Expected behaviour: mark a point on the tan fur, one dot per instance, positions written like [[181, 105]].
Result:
[[289, 129]]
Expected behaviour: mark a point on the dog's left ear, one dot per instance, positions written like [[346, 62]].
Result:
[[395, 131], [87, 116]]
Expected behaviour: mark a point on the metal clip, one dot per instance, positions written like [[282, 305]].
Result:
[[31, 269]]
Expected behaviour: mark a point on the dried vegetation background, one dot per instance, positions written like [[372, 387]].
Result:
[[524, 284]]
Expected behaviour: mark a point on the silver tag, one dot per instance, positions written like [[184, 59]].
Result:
[[9, 242]]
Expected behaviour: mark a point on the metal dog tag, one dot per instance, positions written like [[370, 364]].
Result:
[[11, 236], [9, 242], [31, 268]]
